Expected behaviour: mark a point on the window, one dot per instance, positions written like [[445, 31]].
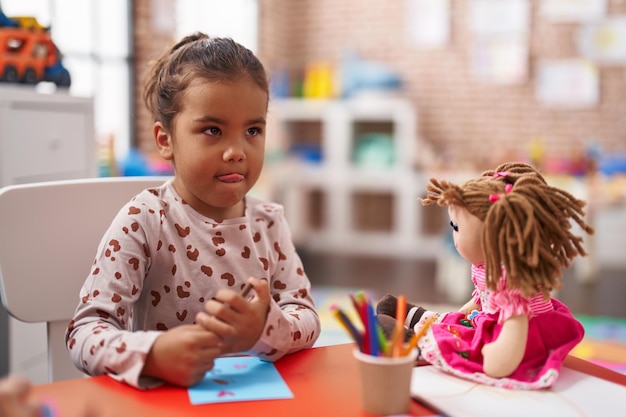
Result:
[[237, 19]]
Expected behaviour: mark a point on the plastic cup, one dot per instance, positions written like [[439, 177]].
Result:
[[385, 382]]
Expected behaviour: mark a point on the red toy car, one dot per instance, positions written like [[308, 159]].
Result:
[[29, 56]]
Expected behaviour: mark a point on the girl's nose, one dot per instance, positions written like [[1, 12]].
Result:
[[234, 153]]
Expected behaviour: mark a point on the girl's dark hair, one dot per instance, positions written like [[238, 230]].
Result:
[[197, 56], [527, 224]]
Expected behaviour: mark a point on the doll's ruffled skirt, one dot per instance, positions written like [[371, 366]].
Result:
[[454, 346]]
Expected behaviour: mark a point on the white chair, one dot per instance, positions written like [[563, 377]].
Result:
[[49, 234]]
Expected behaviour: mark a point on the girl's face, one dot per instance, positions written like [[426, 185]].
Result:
[[467, 230], [217, 145]]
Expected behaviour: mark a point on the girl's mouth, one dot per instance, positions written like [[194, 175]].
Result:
[[230, 177]]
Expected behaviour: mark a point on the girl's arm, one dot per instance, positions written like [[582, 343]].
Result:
[[502, 357]]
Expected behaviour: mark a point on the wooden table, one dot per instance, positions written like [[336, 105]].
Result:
[[324, 382]]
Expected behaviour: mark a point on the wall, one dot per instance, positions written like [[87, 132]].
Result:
[[150, 37], [465, 122]]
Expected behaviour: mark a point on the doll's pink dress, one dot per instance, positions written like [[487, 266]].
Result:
[[454, 344]]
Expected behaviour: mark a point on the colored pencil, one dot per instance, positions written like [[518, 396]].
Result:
[[417, 336], [359, 307], [397, 339], [347, 324], [370, 331], [385, 347]]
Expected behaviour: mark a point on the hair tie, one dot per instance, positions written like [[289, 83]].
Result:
[[495, 197], [501, 174]]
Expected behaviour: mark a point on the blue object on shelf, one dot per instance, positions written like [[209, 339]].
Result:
[[280, 84], [135, 164], [374, 150], [359, 75], [613, 164], [306, 152]]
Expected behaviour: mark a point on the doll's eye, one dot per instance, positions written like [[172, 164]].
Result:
[[454, 226]]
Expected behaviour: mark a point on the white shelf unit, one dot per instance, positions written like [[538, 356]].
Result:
[[337, 205], [43, 137]]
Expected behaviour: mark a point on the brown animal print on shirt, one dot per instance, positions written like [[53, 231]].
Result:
[[134, 262], [103, 314], [265, 262], [230, 279], [278, 285], [192, 254], [281, 255], [218, 240], [132, 210], [115, 244], [156, 298], [182, 231], [181, 291]]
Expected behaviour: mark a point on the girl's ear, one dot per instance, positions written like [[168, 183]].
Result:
[[163, 141]]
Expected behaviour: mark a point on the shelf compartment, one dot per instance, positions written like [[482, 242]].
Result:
[[305, 140], [372, 212]]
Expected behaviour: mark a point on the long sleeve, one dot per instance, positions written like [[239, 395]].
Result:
[[292, 323]]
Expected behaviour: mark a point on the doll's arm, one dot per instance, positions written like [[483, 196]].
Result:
[[469, 306], [502, 356]]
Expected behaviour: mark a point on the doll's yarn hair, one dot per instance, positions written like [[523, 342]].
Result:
[[527, 224]]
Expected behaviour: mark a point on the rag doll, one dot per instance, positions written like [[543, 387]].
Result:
[[516, 232]]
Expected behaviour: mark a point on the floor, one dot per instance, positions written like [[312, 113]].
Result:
[[603, 296]]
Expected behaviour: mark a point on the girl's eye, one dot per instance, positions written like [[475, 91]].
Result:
[[253, 131], [213, 131], [454, 226]]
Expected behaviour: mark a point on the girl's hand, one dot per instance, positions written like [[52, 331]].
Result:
[[16, 399], [502, 356], [238, 321], [182, 355]]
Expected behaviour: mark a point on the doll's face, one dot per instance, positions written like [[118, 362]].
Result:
[[466, 232]]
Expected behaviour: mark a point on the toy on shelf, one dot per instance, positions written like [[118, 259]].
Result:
[[27, 53]]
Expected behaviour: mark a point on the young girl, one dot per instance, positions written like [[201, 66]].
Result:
[[163, 299], [515, 230]]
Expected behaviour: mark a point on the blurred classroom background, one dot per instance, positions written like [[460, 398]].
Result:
[[369, 100]]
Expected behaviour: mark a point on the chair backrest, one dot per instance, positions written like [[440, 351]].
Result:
[[49, 234]]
